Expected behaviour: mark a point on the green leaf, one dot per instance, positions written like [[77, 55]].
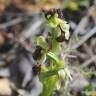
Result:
[[49, 86], [90, 90], [50, 73], [42, 43], [53, 57], [90, 87]]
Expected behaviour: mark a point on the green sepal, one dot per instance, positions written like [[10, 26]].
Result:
[[42, 43], [53, 57]]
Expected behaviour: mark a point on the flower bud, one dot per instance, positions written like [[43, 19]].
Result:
[[62, 74]]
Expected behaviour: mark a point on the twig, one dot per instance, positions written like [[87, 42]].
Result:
[[21, 17], [81, 25], [11, 23], [84, 38], [89, 51], [85, 64], [32, 29], [84, 20]]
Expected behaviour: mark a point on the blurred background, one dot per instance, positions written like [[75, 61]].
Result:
[[24, 19]]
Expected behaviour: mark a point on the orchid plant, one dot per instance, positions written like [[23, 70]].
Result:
[[55, 72]]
